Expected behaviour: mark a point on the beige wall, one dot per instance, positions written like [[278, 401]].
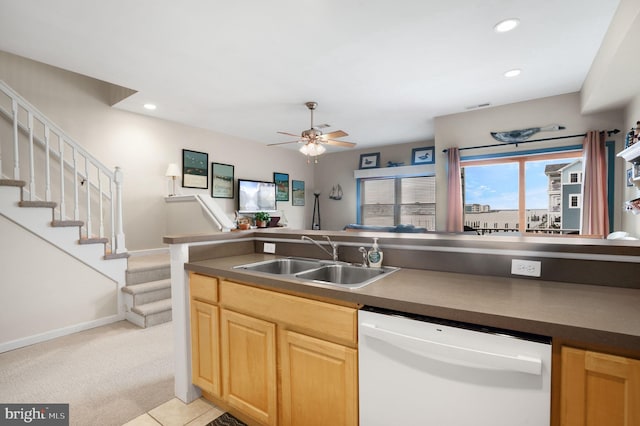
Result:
[[474, 127], [337, 168], [143, 146]]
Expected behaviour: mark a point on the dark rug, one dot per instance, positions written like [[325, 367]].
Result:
[[226, 420]]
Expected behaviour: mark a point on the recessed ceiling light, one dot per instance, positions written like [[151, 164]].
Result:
[[512, 73], [506, 25], [150, 106]]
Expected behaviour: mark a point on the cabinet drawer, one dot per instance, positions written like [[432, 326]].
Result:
[[203, 288], [325, 320]]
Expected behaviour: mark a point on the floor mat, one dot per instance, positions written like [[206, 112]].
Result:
[[226, 420]]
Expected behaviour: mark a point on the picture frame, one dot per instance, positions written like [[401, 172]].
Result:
[[195, 169], [635, 171], [282, 186], [425, 155], [297, 193], [222, 183], [370, 161], [629, 177]]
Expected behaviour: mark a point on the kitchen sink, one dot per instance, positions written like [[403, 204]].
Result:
[[349, 276], [319, 271], [286, 266]]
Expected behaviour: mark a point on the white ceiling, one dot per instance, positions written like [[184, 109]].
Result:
[[380, 70]]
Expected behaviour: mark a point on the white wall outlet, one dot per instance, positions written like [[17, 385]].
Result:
[[269, 248], [529, 268]]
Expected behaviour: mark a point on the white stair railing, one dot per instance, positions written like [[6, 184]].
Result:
[[95, 190]]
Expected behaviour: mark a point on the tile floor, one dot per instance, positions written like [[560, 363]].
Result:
[[176, 413]]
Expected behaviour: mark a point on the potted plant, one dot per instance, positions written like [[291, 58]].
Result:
[[262, 219]]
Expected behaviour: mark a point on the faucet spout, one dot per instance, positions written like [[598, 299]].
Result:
[[334, 247]]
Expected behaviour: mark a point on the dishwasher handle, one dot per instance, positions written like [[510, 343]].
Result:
[[453, 354]]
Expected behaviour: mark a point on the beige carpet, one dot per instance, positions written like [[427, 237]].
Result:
[[109, 375]]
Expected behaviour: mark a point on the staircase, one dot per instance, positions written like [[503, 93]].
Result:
[[147, 295]]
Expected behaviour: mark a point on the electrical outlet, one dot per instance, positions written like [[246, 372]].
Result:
[[529, 268], [269, 248]]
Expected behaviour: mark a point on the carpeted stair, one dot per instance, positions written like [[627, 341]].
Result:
[[147, 294]]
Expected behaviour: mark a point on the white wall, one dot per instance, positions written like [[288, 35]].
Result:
[[143, 146], [473, 128], [44, 299], [337, 168]]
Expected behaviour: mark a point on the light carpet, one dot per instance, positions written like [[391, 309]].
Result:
[[108, 375]]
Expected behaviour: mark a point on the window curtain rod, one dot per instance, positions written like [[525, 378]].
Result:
[[608, 132]]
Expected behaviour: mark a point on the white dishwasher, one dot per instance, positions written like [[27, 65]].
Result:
[[421, 371]]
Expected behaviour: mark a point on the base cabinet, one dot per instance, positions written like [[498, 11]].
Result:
[[273, 358], [599, 389], [319, 382], [249, 365]]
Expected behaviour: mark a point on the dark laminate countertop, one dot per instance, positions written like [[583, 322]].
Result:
[[592, 314]]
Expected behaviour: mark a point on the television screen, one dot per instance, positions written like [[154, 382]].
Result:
[[256, 196]]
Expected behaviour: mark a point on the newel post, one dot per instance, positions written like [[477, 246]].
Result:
[[120, 245]]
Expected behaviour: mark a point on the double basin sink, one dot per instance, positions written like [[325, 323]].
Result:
[[318, 271]]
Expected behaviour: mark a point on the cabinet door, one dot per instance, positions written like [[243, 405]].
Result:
[[599, 389], [205, 347], [249, 365], [319, 381]]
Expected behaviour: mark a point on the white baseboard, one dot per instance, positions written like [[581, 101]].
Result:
[[52, 334]]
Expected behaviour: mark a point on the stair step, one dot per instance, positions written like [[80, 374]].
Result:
[[93, 240], [151, 314], [136, 276], [109, 256], [49, 204], [147, 287], [66, 223], [13, 182]]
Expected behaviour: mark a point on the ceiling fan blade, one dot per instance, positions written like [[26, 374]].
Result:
[[283, 143], [289, 134], [340, 143], [336, 134]]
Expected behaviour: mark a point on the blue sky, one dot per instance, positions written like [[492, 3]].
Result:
[[497, 185]]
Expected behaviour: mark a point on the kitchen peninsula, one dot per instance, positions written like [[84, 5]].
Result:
[[586, 299]]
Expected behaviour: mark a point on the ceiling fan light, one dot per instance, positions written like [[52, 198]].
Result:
[[312, 149]]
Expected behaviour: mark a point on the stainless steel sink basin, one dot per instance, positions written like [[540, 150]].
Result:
[[346, 275], [326, 272], [285, 266]]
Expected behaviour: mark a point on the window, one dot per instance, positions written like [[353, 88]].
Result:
[[574, 201], [523, 193], [398, 201]]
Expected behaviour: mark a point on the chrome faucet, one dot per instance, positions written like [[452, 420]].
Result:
[[365, 261], [334, 246]]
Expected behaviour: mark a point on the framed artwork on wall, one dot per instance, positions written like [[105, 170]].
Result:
[[370, 161], [222, 180], [195, 169], [282, 186], [423, 155], [297, 193]]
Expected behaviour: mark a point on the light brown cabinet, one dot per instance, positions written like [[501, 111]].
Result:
[[281, 359], [599, 389], [249, 365]]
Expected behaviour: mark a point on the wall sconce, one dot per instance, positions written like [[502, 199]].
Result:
[[173, 171]]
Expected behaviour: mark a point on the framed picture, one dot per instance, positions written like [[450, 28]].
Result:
[[370, 161], [195, 169], [423, 155], [282, 186], [297, 193], [221, 180], [629, 177]]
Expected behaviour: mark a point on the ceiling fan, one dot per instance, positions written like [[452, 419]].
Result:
[[313, 138]]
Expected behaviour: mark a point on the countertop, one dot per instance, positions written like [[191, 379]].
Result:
[[598, 315]]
